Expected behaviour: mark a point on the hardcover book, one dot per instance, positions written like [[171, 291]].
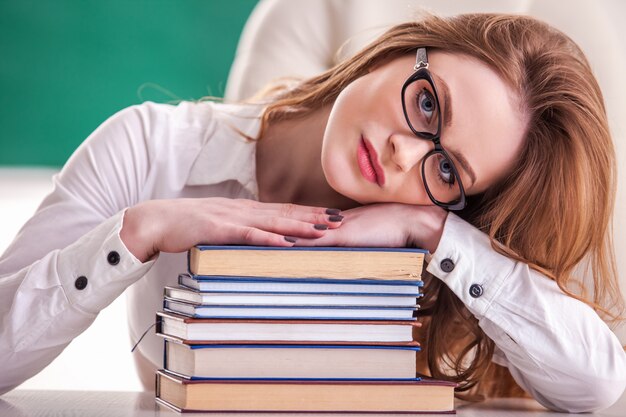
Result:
[[231, 284], [294, 312], [308, 262], [233, 331], [310, 362], [304, 396], [294, 299]]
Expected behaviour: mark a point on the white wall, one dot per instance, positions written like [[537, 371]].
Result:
[[77, 368]]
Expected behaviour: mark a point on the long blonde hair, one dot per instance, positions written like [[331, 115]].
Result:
[[553, 212]]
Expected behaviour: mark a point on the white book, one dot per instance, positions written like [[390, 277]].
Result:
[[251, 361], [277, 331]]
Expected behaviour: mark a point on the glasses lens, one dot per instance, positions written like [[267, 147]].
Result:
[[422, 107], [440, 178]]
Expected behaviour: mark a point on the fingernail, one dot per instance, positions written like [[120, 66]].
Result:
[[320, 226], [333, 211], [290, 239], [335, 218]]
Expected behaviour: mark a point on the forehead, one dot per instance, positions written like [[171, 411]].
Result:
[[487, 125]]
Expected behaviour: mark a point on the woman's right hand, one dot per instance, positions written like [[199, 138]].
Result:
[[177, 225]]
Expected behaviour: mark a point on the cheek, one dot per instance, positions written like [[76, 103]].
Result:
[[347, 105], [335, 159], [341, 135]]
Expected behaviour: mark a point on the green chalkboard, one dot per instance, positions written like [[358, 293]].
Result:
[[67, 65]]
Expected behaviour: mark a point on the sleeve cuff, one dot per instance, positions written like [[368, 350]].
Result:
[[98, 267], [467, 264]]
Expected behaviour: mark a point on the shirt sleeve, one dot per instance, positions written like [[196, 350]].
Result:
[[68, 261], [556, 347]]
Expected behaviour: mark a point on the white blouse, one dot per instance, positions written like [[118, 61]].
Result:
[[68, 262]]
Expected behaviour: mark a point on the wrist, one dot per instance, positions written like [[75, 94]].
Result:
[[427, 230], [133, 236]]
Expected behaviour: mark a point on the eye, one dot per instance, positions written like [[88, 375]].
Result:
[[444, 171], [426, 104]]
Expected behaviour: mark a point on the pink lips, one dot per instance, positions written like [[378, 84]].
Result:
[[368, 163]]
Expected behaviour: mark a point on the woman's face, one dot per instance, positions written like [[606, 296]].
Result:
[[370, 154]]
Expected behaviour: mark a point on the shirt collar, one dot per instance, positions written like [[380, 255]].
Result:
[[227, 154]]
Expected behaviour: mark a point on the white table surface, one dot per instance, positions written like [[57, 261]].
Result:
[[27, 403]]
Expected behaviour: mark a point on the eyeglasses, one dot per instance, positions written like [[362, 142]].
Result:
[[420, 104]]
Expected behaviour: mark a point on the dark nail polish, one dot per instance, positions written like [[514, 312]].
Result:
[[335, 218], [290, 239], [320, 226], [333, 211]]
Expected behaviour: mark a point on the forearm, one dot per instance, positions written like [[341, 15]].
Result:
[[48, 303], [555, 346]]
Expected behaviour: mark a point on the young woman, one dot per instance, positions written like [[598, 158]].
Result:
[[482, 138]]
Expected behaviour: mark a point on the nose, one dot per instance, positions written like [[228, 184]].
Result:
[[408, 150]]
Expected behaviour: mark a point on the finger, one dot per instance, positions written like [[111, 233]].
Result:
[[291, 209], [333, 221], [258, 237], [289, 227], [329, 239], [313, 215]]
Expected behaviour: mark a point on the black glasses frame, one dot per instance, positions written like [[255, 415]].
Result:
[[422, 73]]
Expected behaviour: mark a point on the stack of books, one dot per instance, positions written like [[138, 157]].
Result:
[[269, 329]]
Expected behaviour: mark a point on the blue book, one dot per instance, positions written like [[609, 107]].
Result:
[[395, 264], [292, 312], [294, 299], [223, 284], [290, 362]]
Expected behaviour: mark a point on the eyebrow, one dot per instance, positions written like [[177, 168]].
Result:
[[447, 121], [464, 164], [447, 100]]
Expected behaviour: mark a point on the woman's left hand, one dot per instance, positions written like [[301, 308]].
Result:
[[386, 225]]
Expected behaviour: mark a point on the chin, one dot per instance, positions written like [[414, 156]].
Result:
[[340, 176], [341, 183], [348, 188]]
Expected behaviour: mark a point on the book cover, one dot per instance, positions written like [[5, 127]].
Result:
[[290, 312], [429, 396], [204, 331], [307, 262], [281, 285], [302, 299], [290, 362]]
